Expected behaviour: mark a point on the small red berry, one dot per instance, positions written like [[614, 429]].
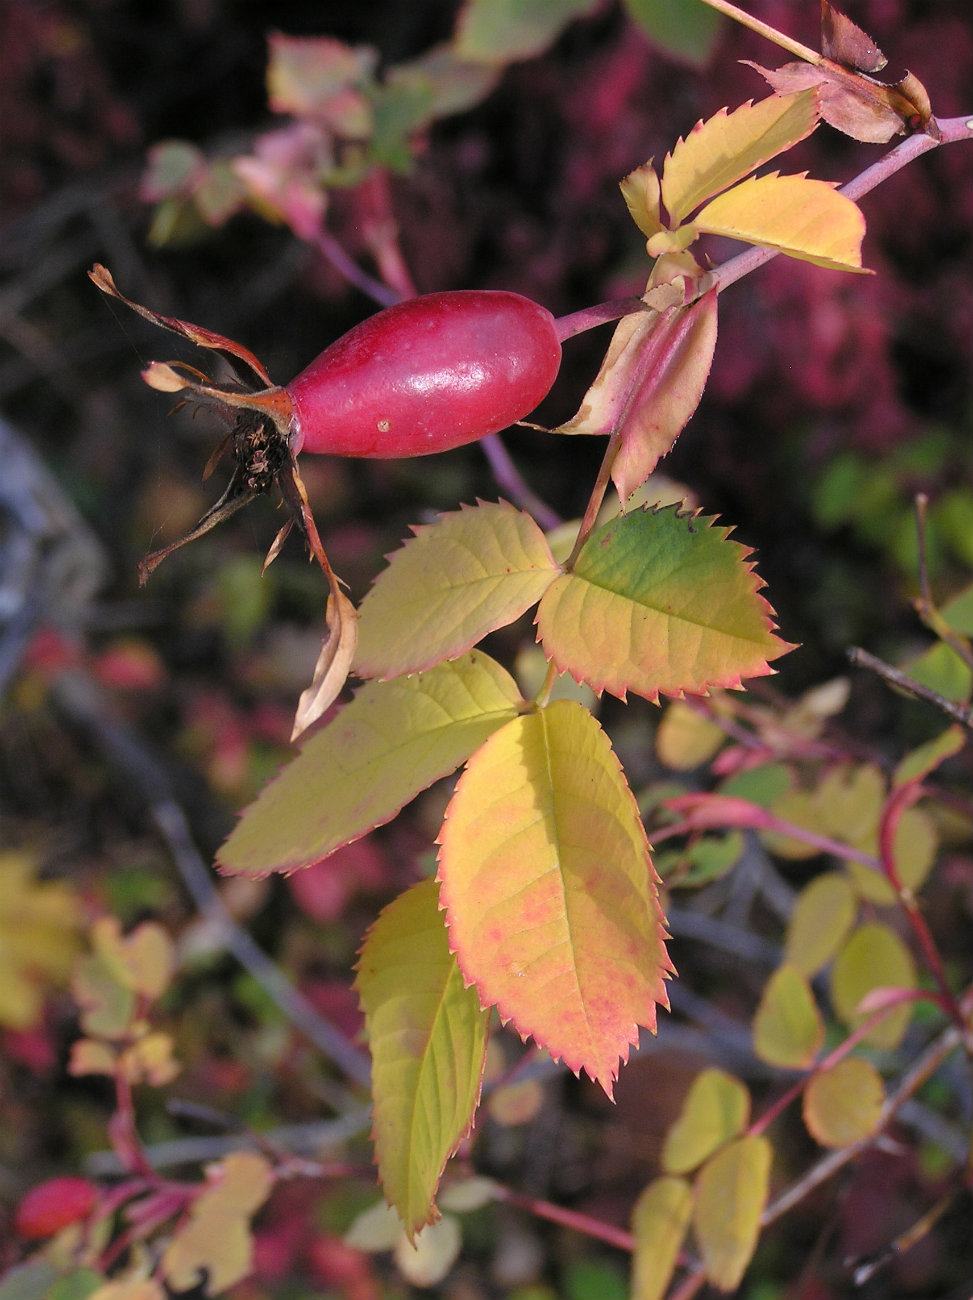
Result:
[[51, 1206], [426, 375]]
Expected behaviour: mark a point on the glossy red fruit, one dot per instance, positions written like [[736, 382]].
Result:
[[51, 1206], [428, 374]]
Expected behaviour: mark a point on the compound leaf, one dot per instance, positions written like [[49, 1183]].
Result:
[[476, 569], [803, 218], [427, 1035], [393, 740], [550, 894], [659, 601], [729, 146]]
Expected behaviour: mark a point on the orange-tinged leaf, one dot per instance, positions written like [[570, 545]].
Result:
[[427, 1036], [393, 740], [823, 915], [659, 602], [729, 146], [549, 891], [844, 1104], [476, 569], [716, 1109], [215, 1242], [731, 1191], [803, 218], [788, 1029], [661, 1216], [648, 386], [873, 958]]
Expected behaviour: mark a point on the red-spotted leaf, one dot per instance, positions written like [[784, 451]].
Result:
[[803, 218], [549, 891], [659, 601], [427, 1036], [660, 1219], [648, 387], [476, 569], [731, 1191], [393, 740], [726, 148]]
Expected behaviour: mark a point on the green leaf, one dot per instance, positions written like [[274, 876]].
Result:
[[803, 218], [454, 85], [716, 1109], [660, 1219], [823, 915], [549, 891], [659, 602], [874, 957], [844, 1104], [926, 758], [685, 29], [787, 1029], [427, 1036], [393, 740], [320, 77], [503, 31], [475, 570], [731, 1192], [648, 386], [726, 148]]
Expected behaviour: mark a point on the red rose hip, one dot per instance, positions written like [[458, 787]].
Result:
[[51, 1206], [428, 374]]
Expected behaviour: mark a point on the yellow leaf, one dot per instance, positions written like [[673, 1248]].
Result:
[[844, 1104], [551, 898], [427, 1260], [787, 1029], [659, 1222], [686, 737], [729, 146], [142, 961], [823, 914], [427, 1036], [216, 1240], [474, 570], [874, 957], [716, 1109], [731, 1192], [130, 1288], [640, 190], [803, 218], [39, 939]]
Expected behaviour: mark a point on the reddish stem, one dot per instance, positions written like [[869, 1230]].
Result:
[[618, 1237], [904, 797]]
